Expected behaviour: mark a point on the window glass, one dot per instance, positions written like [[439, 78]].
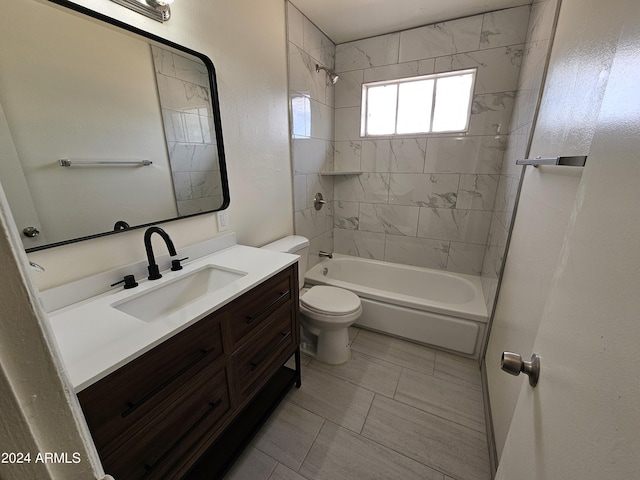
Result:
[[426, 104], [381, 111], [414, 107], [451, 111], [301, 115]]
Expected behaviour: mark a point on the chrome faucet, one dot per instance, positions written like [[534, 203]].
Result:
[[325, 254], [154, 271]]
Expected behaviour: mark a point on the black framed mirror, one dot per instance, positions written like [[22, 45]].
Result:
[[103, 127]]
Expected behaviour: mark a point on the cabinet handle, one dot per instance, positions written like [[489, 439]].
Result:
[[261, 312], [210, 410], [283, 337], [131, 406]]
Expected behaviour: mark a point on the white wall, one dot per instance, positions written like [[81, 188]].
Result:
[[246, 42], [580, 62]]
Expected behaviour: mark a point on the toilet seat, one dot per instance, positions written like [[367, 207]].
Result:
[[330, 301]]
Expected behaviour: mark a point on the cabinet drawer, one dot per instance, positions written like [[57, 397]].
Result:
[[173, 428], [252, 309], [253, 360], [120, 400]]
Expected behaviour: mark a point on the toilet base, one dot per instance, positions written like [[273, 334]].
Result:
[[332, 347]]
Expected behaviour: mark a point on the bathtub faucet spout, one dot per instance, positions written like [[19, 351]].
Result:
[[322, 254]]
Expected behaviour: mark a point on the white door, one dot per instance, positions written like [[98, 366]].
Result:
[[582, 421]]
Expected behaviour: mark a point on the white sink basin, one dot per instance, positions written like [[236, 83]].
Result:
[[172, 296]]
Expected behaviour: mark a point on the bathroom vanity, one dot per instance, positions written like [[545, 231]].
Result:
[[175, 396]]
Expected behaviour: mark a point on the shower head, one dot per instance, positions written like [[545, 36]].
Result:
[[332, 75]]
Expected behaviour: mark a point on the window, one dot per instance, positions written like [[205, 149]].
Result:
[[301, 116], [437, 103]]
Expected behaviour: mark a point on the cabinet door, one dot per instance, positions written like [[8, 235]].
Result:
[[269, 348], [173, 428], [248, 313], [117, 403]]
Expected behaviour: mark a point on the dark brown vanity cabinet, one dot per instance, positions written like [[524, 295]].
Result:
[[186, 408]]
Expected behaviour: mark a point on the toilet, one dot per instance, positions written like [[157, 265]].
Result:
[[327, 312]]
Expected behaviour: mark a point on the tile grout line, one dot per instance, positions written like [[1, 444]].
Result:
[[393, 363], [434, 468], [361, 435], [324, 421], [421, 411], [437, 356], [399, 401], [386, 447], [357, 385], [395, 390], [468, 389], [433, 372], [466, 427], [367, 415]]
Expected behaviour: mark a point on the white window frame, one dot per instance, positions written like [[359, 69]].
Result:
[[398, 81]]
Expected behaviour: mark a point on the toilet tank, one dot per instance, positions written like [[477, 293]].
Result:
[[298, 246]]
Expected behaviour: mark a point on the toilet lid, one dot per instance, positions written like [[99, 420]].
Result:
[[330, 300]]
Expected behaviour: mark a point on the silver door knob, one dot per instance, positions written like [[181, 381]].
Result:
[[512, 363]]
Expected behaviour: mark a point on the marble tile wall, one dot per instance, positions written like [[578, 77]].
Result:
[[312, 124], [427, 200], [185, 97], [535, 54]]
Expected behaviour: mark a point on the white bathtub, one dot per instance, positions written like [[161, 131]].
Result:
[[437, 308]]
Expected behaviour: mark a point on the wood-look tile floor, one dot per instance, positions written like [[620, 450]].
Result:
[[397, 410]]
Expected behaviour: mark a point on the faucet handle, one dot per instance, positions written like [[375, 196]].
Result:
[[129, 282], [175, 264]]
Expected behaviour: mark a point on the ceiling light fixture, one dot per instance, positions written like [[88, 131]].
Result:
[[162, 6]]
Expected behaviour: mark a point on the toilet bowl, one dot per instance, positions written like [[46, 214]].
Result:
[[326, 312]]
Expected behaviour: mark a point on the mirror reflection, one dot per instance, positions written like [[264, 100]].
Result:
[[135, 121]]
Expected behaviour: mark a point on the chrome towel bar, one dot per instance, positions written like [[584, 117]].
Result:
[[576, 161], [65, 162]]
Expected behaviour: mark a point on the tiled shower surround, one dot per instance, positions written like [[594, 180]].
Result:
[[438, 201], [312, 98], [426, 200]]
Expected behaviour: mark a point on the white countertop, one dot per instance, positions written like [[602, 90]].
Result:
[[95, 338]]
